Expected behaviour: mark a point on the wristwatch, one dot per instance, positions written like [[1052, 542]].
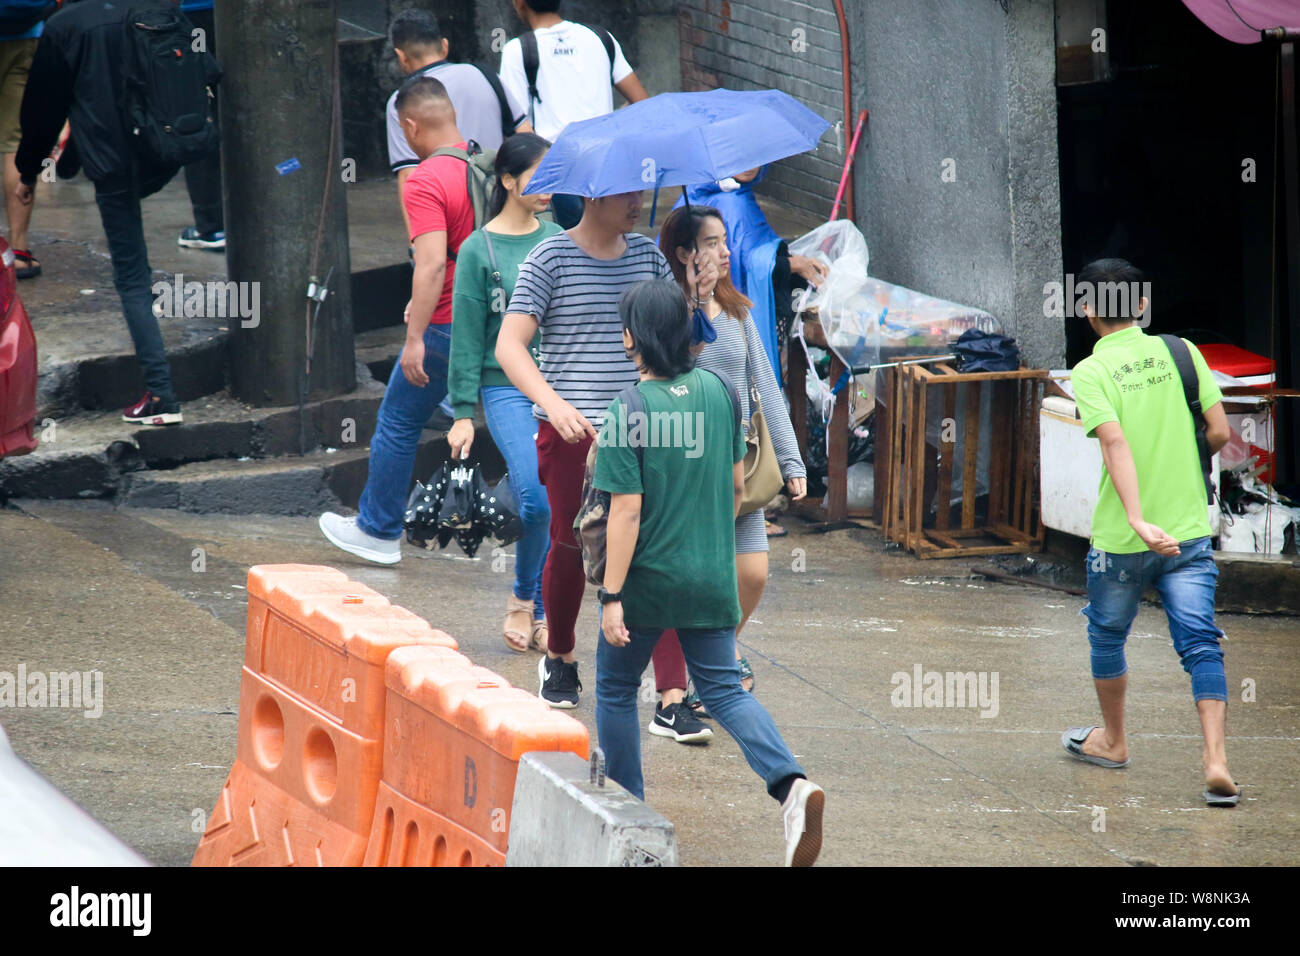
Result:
[[608, 597]]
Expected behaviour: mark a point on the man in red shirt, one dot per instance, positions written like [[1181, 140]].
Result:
[[441, 214]]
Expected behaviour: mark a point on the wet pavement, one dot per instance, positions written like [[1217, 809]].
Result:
[[84, 586]]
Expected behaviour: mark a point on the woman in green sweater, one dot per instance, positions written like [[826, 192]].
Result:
[[487, 265]]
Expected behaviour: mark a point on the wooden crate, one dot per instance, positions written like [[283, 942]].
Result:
[[910, 475]]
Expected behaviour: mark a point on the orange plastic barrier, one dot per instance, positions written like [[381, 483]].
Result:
[[311, 719], [454, 738]]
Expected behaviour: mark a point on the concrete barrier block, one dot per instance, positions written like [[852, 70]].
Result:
[[560, 817]]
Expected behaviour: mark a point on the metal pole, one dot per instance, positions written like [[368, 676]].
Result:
[[1291, 199], [286, 217]]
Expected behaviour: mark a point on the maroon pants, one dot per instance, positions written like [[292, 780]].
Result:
[[561, 467]]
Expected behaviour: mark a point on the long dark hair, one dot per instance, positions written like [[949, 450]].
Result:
[[679, 231], [654, 312], [515, 157]]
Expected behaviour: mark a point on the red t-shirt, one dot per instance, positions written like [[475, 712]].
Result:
[[437, 200]]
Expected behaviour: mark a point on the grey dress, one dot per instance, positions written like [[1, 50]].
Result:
[[726, 357]]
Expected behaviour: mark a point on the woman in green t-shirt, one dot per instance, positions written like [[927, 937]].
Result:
[[487, 265]]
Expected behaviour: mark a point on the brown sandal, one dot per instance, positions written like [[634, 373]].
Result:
[[540, 636], [517, 635]]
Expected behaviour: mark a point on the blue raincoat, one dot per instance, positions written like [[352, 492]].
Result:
[[753, 245]]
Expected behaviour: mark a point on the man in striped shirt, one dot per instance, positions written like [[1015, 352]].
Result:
[[569, 287]]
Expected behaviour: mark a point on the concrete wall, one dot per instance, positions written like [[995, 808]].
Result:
[[788, 45], [962, 81], [971, 81]]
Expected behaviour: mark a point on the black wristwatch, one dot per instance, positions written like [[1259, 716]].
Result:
[[608, 597]]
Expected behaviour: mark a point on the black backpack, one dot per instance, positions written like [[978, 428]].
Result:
[[166, 95], [1182, 357], [494, 81], [532, 61]]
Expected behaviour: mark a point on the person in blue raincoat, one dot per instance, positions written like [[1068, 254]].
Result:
[[761, 265]]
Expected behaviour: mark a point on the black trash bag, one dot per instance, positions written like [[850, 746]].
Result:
[[458, 503], [986, 352], [498, 511], [861, 448], [422, 508]]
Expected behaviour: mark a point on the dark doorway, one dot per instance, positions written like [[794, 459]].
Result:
[[1152, 170]]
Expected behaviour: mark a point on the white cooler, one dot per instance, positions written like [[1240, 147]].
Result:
[[1070, 469]]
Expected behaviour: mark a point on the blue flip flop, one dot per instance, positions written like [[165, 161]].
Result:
[[1072, 740]]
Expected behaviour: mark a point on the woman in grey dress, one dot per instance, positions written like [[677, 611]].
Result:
[[694, 241]]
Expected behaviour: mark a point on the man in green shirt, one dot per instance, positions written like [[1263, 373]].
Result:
[[1151, 524], [671, 556]]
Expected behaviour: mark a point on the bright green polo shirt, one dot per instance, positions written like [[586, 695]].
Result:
[[1131, 378]]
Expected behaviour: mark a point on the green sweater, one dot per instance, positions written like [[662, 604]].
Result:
[[477, 307]]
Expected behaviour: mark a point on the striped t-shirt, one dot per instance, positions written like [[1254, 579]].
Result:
[[574, 298]]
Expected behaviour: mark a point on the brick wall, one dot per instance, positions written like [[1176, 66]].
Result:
[[773, 44]]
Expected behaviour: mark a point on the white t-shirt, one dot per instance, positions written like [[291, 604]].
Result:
[[573, 77], [478, 111]]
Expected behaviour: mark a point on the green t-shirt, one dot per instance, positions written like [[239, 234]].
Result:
[[683, 571], [1131, 378], [477, 309]]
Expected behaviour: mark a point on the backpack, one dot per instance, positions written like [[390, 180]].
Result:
[[1182, 357], [592, 520], [19, 16], [532, 60], [494, 81], [166, 96], [480, 177]]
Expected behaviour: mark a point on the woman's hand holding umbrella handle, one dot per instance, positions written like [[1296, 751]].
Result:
[[461, 438]]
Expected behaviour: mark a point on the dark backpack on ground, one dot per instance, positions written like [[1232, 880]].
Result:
[[19, 16], [166, 98], [592, 521], [1182, 357], [532, 60]]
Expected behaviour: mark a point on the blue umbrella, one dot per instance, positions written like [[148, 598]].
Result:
[[677, 139]]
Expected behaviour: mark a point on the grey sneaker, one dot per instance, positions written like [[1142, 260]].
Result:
[[343, 533], [802, 815]]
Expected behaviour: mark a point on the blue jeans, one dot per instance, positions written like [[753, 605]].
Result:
[[711, 659], [119, 210], [1186, 586], [509, 414], [402, 416]]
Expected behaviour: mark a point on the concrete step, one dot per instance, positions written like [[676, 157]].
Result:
[[378, 349], [85, 455], [290, 485]]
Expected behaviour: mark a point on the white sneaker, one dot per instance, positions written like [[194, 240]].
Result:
[[802, 815], [343, 533]]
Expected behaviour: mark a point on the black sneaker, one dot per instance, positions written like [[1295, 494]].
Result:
[[191, 238], [151, 410], [559, 680], [677, 721]]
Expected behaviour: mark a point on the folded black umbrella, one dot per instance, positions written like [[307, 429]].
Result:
[[422, 509], [498, 511]]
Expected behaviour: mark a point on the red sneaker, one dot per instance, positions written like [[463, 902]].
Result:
[[151, 410]]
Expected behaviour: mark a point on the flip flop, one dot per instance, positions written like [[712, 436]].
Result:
[[774, 530], [1072, 740], [1222, 799]]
